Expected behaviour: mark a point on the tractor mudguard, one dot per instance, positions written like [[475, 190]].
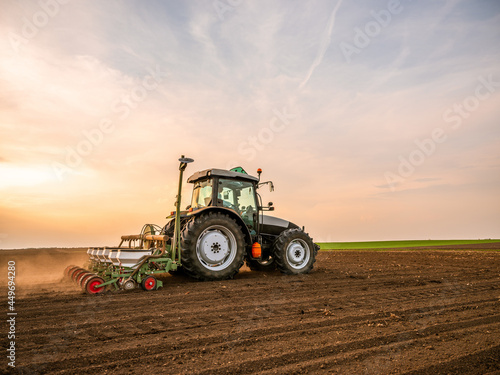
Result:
[[232, 214], [274, 225]]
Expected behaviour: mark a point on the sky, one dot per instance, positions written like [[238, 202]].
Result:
[[376, 120]]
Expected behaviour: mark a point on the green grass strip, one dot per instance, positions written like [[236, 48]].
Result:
[[397, 244]]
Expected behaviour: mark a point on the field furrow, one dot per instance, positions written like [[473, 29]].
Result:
[[359, 312]]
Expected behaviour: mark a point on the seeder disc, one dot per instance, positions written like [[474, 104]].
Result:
[[92, 285], [79, 278], [77, 274], [72, 271], [84, 279], [66, 271]]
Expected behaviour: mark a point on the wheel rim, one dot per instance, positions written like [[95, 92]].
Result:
[[129, 285], [92, 286], [149, 283], [298, 254], [216, 247]]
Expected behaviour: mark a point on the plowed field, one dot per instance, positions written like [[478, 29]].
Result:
[[359, 312]]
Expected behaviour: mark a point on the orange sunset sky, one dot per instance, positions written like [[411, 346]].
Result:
[[376, 120]]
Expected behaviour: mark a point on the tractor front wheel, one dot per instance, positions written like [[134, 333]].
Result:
[[295, 252], [212, 247]]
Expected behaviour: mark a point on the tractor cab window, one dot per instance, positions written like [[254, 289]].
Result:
[[239, 196], [202, 194]]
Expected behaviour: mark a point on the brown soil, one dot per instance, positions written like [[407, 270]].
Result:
[[359, 312]]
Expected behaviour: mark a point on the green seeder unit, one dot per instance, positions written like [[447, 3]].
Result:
[[134, 262]]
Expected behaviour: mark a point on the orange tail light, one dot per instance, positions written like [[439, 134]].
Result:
[[256, 250]]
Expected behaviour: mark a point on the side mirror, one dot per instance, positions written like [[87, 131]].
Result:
[[268, 208], [270, 183]]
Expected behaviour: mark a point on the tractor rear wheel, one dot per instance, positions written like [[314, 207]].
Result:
[[212, 247], [294, 252], [178, 272]]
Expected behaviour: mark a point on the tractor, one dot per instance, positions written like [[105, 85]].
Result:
[[223, 227]]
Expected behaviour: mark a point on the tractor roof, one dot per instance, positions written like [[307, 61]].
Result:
[[207, 173]]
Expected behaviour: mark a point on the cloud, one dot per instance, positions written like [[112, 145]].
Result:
[[223, 82], [325, 42]]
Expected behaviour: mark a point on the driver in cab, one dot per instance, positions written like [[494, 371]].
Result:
[[223, 198], [220, 197]]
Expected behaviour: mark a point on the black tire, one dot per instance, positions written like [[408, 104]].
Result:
[[178, 272], [294, 252], [212, 247], [264, 265], [149, 283]]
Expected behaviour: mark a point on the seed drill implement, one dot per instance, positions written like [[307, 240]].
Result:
[[223, 227]]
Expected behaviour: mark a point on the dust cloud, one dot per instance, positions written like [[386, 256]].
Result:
[[37, 267]]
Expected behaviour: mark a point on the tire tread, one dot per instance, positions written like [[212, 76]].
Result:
[[280, 251], [191, 265]]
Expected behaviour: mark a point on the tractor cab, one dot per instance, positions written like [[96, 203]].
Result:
[[233, 190], [225, 224]]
